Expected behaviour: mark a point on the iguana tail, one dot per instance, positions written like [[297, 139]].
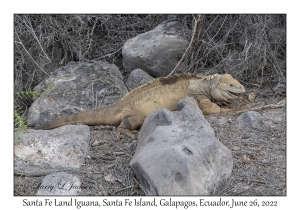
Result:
[[108, 115]]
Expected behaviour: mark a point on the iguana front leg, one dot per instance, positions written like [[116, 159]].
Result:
[[209, 107], [129, 125]]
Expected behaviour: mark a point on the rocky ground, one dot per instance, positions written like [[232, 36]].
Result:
[[259, 154]]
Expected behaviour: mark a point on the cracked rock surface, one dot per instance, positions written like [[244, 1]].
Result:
[[40, 152], [178, 153]]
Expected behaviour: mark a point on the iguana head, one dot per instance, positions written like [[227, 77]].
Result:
[[227, 88]]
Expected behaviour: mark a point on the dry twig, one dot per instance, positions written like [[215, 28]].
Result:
[[280, 104]]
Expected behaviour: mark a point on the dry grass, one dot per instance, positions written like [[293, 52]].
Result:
[[251, 47]]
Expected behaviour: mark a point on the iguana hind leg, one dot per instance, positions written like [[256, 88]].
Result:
[[209, 107], [129, 125]]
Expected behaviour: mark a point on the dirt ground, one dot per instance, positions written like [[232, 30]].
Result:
[[259, 156]]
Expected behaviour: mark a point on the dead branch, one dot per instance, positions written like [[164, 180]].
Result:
[[190, 44], [280, 104], [21, 43]]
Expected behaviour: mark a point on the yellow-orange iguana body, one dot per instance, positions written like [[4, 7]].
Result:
[[129, 113]]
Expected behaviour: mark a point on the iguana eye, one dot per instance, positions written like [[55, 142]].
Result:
[[231, 85]]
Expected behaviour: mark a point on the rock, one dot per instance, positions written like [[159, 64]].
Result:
[[250, 119], [74, 88], [137, 78], [178, 153], [157, 51], [253, 119], [214, 120], [40, 152], [109, 178], [60, 183], [236, 148]]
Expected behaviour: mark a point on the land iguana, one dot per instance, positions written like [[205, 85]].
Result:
[[130, 112]]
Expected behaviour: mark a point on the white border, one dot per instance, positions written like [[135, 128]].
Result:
[[8, 8]]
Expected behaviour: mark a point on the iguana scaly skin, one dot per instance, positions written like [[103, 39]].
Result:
[[163, 92]]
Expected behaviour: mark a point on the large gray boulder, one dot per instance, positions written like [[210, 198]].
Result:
[[178, 153], [157, 51], [74, 88], [40, 152]]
